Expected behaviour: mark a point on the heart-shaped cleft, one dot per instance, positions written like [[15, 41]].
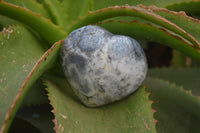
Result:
[[101, 67]]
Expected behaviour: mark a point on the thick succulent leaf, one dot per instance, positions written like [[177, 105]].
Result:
[[187, 77], [88, 6], [189, 24], [102, 14], [39, 116], [6, 22], [190, 7], [75, 8], [58, 15], [177, 109], [98, 4], [149, 32], [178, 59], [31, 5], [11, 99], [43, 26], [181, 60], [47, 60], [36, 95], [133, 114], [19, 51]]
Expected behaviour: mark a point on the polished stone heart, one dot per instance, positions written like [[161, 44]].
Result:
[[101, 67]]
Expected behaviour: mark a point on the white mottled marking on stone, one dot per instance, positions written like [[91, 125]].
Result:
[[108, 71]]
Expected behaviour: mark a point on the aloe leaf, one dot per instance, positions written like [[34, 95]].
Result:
[[88, 6], [36, 95], [148, 32], [39, 116], [186, 77], [190, 7], [132, 114], [57, 12], [178, 59], [15, 65], [5, 22], [75, 8], [189, 24], [98, 4], [177, 109], [29, 73], [31, 5], [102, 14], [43, 26]]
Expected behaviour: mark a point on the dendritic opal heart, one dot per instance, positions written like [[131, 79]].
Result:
[[101, 67]]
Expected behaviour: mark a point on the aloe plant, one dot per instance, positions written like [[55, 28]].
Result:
[[35, 97]]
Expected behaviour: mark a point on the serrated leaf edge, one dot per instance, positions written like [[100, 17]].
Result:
[[183, 45], [53, 109], [127, 10], [189, 92], [35, 104], [180, 14], [167, 68], [182, 2], [153, 110], [12, 108], [173, 84]]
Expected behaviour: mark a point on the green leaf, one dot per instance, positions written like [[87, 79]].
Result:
[[102, 14], [36, 95], [132, 114], [19, 51], [43, 26], [57, 12], [178, 60], [186, 77], [189, 24], [177, 109], [6, 21], [31, 5], [88, 6], [9, 106], [98, 4], [75, 8], [149, 32], [190, 7]]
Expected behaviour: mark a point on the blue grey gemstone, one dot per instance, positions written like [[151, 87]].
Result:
[[102, 67]]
